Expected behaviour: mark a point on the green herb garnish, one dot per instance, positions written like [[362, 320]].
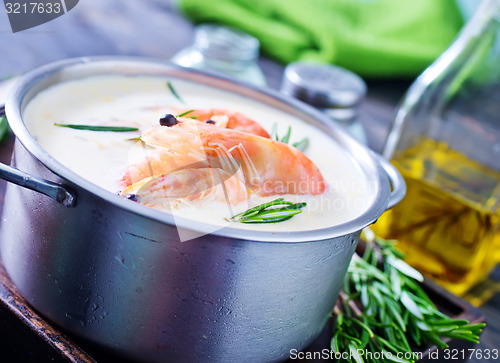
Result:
[[286, 138], [394, 313], [274, 132], [301, 145], [4, 128], [264, 214], [174, 92], [98, 128], [185, 113], [138, 138]]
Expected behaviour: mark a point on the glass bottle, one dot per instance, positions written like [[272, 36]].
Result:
[[445, 140], [222, 49]]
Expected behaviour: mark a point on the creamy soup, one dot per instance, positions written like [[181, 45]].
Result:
[[102, 157]]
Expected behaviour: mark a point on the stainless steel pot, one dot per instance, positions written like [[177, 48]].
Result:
[[115, 272]]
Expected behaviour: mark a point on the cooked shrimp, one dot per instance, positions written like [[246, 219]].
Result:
[[235, 120], [189, 186], [269, 167], [160, 162]]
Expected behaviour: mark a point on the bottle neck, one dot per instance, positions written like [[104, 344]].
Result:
[[473, 55]]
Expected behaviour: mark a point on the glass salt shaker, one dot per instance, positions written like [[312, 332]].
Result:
[[332, 89], [223, 49]]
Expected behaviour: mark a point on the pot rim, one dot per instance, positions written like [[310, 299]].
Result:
[[28, 84]]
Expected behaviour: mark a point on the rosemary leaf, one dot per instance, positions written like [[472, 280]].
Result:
[[264, 214], [271, 214], [448, 328], [452, 322], [185, 113], [433, 338], [274, 132], [422, 325], [258, 208], [98, 128], [174, 92], [138, 138], [479, 326], [365, 337], [334, 344], [410, 305], [286, 138], [395, 283], [249, 214], [351, 338], [370, 333], [260, 220], [279, 212], [395, 312], [354, 353], [301, 145], [405, 268], [4, 128], [467, 337]]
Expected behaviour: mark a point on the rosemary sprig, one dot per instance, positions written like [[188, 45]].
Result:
[[301, 145], [4, 128], [286, 138], [174, 92], [394, 314], [264, 214], [138, 138], [274, 132], [185, 113], [98, 128]]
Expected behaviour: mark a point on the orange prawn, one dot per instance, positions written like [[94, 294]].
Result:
[[235, 120], [188, 185], [269, 167]]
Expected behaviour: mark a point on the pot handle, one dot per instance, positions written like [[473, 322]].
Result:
[[57, 192], [398, 183]]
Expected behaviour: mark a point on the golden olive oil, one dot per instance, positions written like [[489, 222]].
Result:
[[448, 223]]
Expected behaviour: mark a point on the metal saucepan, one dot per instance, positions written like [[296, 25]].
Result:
[[115, 272]]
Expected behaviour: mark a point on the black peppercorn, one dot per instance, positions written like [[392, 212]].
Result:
[[210, 122], [132, 197], [168, 120]]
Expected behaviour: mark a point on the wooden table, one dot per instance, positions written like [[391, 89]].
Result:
[[151, 28]]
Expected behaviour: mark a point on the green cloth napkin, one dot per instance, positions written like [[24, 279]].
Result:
[[374, 38]]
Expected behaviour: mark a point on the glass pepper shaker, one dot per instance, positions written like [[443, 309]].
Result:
[[445, 140], [223, 49], [334, 90]]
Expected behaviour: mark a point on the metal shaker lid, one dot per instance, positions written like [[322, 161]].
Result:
[[323, 85]]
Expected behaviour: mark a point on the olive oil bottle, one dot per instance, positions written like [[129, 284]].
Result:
[[448, 224], [445, 140]]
